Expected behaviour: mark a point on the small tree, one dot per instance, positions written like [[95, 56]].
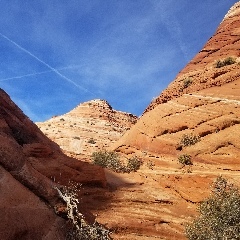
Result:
[[219, 214], [79, 228]]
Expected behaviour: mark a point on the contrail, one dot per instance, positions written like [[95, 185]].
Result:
[[47, 65], [26, 75], [33, 74]]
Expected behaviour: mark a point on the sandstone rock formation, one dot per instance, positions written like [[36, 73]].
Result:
[[30, 166], [156, 201], [90, 127]]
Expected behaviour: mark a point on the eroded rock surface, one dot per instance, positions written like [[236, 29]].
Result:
[[90, 127]]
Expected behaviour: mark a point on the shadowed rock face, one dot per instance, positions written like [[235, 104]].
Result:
[[30, 166]]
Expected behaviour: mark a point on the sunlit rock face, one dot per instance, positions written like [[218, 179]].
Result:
[[203, 100], [91, 126]]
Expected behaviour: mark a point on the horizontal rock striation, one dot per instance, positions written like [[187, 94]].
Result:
[[91, 126]]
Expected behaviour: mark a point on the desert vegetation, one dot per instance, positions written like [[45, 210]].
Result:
[[219, 215], [111, 160], [189, 139], [79, 228], [92, 141], [185, 159], [187, 82], [225, 62]]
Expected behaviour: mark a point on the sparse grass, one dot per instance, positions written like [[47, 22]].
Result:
[[111, 160], [225, 62], [189, 139], [150, 164], [219, 215], [185, 159]]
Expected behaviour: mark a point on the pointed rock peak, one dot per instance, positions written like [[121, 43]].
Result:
[[234, 10], [98, 103]]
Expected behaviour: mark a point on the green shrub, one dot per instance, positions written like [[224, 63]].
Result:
[[112, 161], [108, 160], [185, 159], [219, 214], [189, 139], [133, 164], [225, 62]]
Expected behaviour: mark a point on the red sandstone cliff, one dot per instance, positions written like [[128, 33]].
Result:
[[203, 100], [30, 166]]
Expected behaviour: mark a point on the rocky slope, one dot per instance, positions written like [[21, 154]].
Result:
[[90, 127], [30, 166]]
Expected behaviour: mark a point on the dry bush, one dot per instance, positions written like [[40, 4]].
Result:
[[185, 159], [133, 164], [187, 82], [92, 141], [80, 229]]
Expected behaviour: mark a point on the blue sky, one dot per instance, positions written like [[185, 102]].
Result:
[[57, 54]]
